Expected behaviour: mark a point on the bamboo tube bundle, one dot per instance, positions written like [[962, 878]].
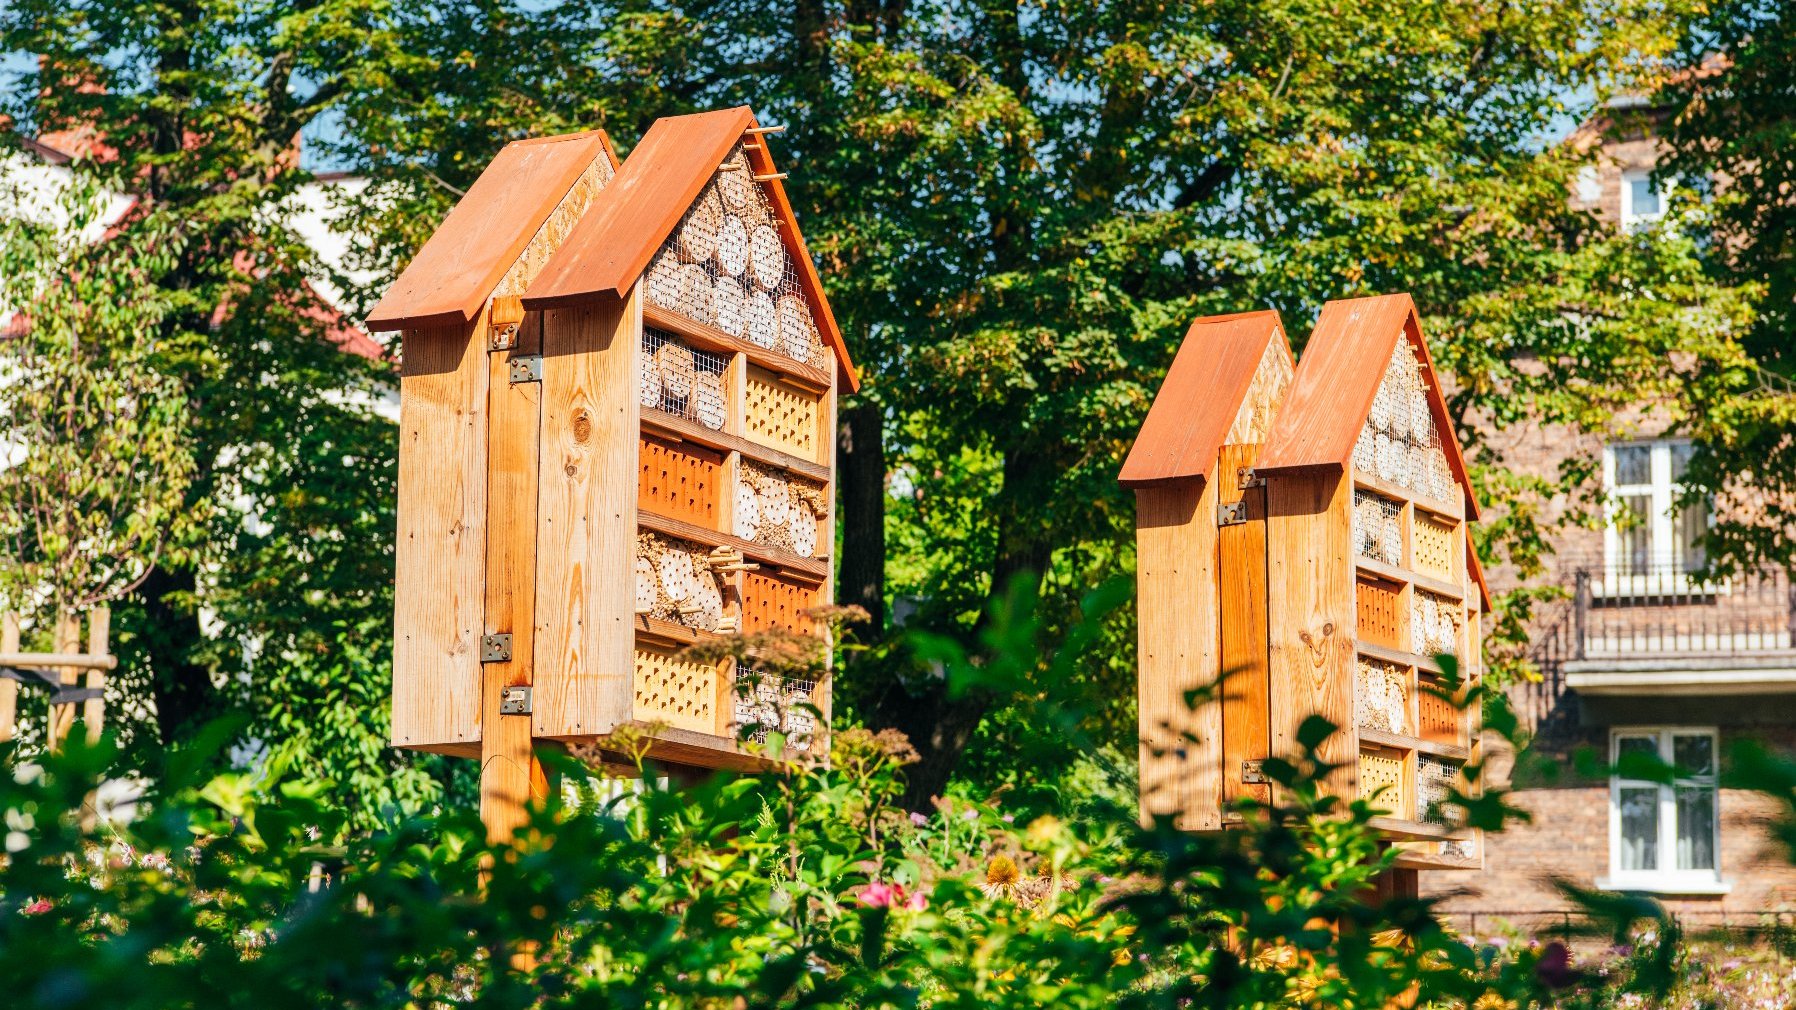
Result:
[[761, 320], [1383, 705], [729, 302], [699, 231]]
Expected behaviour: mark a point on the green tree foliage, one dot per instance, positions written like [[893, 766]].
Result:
[[195, 109], [96, 460]]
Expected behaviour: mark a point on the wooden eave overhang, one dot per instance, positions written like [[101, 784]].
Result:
[[455, 272], [1198, 401], [613, 244], [1336, 381]]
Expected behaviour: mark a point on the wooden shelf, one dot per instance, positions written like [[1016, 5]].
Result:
[[670, 632], [1395, 574], [1415, 743], [710, 338], [1397, 656], [1412, 859], [1446, 510], [682, 429], [815, 568], [1396, 827]]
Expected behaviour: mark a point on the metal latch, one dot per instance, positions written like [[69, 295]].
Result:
[[514, 701], [1246, 478], [1253, 772], [1231, 513], [502, 337], [495, 648], [526, 368]]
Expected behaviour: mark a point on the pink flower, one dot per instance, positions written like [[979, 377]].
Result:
[[917, 901], [880, 894], [918, 819], [38, 907]]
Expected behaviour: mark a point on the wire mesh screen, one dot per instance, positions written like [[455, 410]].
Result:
[[1383, 702], [682, 380], [1377, 528], [727, 266], [1434, 791], [1434, 624], [1400, 442], [766, 700]]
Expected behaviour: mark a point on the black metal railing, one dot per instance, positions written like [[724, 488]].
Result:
[[1642, 612]]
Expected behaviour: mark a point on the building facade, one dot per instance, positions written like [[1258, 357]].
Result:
[[1641, 659]]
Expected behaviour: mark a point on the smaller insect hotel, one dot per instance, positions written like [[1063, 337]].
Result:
[[618, 442], [1303, 550]]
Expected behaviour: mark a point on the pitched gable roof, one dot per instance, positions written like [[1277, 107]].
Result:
[[1337, 379], [1198, 404], [483, 236], [613, 245]]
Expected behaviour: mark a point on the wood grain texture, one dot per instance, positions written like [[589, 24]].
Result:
[[440, 545], [9, 689], [1181, 747], [1241, 596], [455, 272], [586, 525], [1204, 391], [62, 717], [1310, 607], [99, 642], [508, 762]]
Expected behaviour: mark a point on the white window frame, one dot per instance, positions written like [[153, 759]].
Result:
[[1663, 880], [1630, 220], [1663, 574]]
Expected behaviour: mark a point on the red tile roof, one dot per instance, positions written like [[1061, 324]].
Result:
[[1202, 393], [467, 256]]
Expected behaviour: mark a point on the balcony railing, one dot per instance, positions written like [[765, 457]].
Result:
[[1665, 611]]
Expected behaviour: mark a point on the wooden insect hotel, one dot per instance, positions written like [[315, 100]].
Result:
[[1302, 550], [618, 414]]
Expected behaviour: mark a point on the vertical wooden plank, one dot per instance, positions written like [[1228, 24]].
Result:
[[9, 689], [99, 638], [440, 546], [68, 641], [1241, 593], [1175, 563], [586, 520], [508, 763], [1310, 610], [826, 593]]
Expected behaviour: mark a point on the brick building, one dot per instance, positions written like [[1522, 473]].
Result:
[[1641, 658]]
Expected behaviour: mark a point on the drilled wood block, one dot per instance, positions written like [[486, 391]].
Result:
[[1433, 548], [779, 416], [675, 691], [1438, 718], [679, 481], [1375, 604], [1381, 768], [772, 603]]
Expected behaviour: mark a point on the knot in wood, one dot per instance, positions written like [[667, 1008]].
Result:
[[582, 426]]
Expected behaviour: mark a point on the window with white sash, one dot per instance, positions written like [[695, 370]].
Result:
[[1652, 536], [1642, 201], [1664, 836]]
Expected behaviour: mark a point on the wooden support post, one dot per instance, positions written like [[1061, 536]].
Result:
[[1241, 588], [510, 774], [68, 640], [99, 634], [9, 689]]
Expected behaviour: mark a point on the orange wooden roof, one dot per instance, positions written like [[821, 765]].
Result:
[[1190, 418], [612, 245], [1336, 380], [1476, 567], [467, 256]]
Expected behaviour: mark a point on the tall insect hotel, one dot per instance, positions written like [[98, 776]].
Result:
[[618, 399], [1302, 550]]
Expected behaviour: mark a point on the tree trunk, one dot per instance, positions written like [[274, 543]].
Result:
[[183, 689], [861, 469]]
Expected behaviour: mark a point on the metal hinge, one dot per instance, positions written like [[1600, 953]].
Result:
[[1231, 513], [495, 648], [1245, 478], [1253, 773], [514, 701], [502, 337], [526, 368]]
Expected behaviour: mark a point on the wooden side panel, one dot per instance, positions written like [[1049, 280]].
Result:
[[586, 521], [1241, 592], [440, 547], [1310, 579], [507, 761], [1181, 747]]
